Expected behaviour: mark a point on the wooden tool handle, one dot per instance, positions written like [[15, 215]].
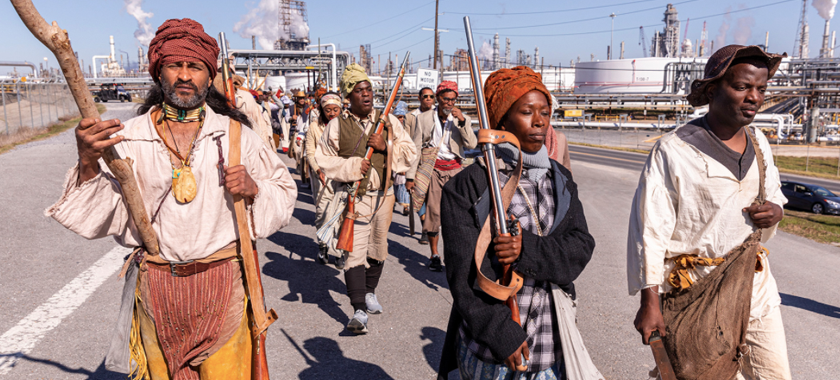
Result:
[[58, 42]]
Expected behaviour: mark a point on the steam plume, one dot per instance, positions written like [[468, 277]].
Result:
[[485, 54], [263, 23], [144, 32], [825, 8], [720, 39], [743, 30]]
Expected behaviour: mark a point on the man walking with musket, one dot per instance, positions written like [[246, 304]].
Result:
[[189, 305], [708, 197], [441, 134], [340, 155]]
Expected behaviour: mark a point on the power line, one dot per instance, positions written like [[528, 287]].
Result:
[[636, 27], [402, 34], [380, 21], [555, 11], [582, 20]]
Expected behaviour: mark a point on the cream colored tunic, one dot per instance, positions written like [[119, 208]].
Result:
[[313, 135], [195, 230], [342, 169], [260, 120], [689, 203]]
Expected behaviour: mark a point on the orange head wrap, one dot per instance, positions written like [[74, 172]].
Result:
[[182, 40], [505, 86], [319, 93]]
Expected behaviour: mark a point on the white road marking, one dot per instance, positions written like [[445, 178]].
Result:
[[21, 339]]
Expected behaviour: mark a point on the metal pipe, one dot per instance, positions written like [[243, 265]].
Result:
[[488, 148], [41, 105], [21, 64], [334, 84], [29, 98], [93, 61], [20, 112]]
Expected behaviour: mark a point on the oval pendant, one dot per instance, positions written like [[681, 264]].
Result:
[[183, 185]]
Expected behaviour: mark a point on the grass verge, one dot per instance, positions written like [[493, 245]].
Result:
[[820, 228], [820, 167], [27, 135]]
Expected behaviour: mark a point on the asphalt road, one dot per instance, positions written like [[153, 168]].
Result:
[[59, 293]]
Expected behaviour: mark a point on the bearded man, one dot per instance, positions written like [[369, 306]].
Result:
[[708, 197], [189, 319], [340, 155], [447, 131]]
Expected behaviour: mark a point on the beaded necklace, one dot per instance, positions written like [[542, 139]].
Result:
[[184, 187]]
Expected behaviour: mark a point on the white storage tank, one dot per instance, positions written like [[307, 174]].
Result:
[[640, 75]]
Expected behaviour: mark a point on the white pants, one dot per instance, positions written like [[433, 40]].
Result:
[[768, 358]]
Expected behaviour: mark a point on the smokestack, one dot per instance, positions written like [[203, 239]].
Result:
[[253, 42], [111, 58], [495, 64], [507, 52], [824, 48], [536, 56], [621, 55], [767, 41], [833, 44]]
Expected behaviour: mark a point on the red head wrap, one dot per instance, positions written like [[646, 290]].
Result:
[[182, 40], [447, 85], [505, 86]]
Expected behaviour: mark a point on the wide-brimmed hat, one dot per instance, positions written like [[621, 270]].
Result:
[[300, 94], [720, 61]]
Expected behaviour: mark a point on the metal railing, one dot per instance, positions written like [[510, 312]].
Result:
[[33, 105]]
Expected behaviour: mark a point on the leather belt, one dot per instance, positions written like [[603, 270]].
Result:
[[187, 268]]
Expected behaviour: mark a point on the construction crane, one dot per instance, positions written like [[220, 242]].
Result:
[[643, 41]]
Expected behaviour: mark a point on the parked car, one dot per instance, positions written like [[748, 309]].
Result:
[[110, 91], [811, 197]]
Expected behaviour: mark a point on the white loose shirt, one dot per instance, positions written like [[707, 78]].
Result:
[[689, 203]]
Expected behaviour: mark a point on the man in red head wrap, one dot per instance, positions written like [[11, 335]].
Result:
[[441, 134], [190, 305]]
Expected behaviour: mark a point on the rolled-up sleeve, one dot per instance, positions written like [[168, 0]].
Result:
[[652, 222], [403, 150], [93, 209], [772, 184]]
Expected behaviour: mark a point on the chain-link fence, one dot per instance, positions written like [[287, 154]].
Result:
[[33, 105]]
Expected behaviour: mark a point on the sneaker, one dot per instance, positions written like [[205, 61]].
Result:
[[424, 239], [358, 325], [322, 254], [434, 264], [373, 306], [339, 263]]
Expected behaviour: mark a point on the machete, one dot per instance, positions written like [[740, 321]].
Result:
[[660, 356]]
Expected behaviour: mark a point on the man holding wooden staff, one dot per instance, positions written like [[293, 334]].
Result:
[[708, 197], [189, 320], [340, 155]]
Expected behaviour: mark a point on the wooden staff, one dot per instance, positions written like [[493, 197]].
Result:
[[57, 40]]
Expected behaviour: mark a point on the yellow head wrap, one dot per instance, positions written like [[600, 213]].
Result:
[[353, 75]]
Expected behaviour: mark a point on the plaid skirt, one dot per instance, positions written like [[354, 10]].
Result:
[[471, 368]]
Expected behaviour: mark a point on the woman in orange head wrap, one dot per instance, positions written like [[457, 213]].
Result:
[[553, 248]]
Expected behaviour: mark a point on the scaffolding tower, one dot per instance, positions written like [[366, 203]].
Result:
[[288, 40]]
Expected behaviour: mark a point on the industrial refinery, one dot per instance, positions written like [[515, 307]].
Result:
[[802, 100]]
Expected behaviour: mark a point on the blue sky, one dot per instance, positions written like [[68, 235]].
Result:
[[394, 26]]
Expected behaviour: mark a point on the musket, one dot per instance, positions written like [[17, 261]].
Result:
[[486, 138], [345, 234], [250, 258], [660, 356], [58, 42]]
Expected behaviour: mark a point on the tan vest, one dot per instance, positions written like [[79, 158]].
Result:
[[353, 143]]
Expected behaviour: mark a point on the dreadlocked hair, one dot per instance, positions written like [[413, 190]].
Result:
[[215, 100]]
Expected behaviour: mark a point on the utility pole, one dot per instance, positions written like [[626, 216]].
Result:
[[437, 35]]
